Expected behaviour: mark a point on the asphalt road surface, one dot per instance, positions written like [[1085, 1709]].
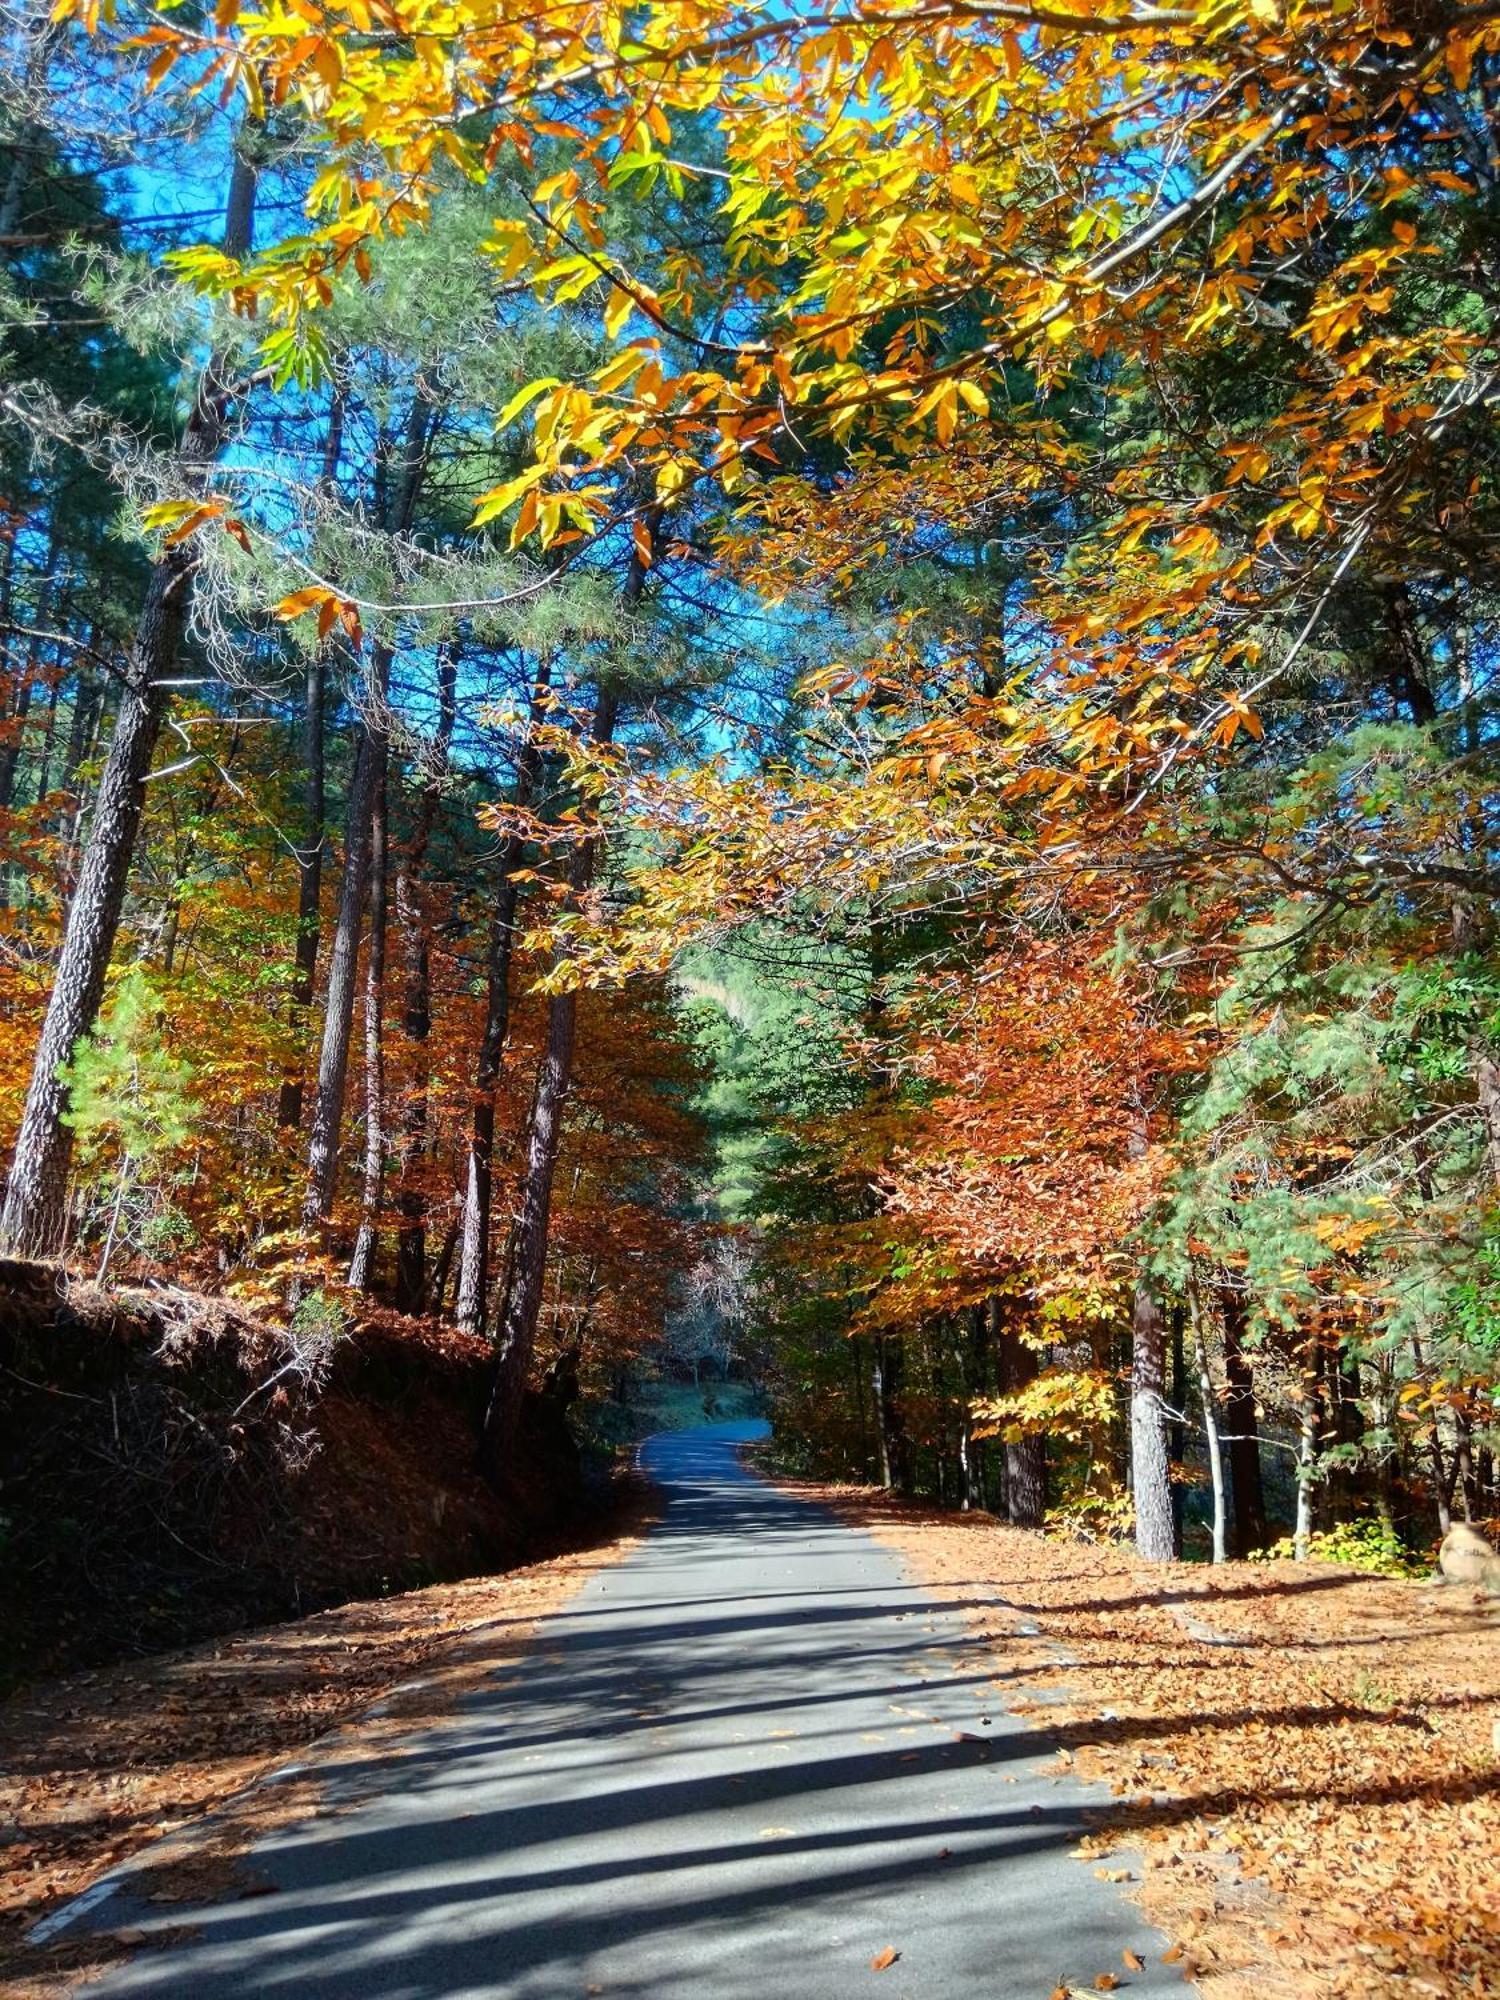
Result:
[[742, 1764]]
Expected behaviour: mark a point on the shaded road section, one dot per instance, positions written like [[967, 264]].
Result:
[[743, 1763]]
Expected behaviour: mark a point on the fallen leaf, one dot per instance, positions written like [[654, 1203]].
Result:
[[1171, 1955], [883, 1960], [1105, 1982], [1133, 1961]]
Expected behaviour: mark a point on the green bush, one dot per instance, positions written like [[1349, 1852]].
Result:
[[1368, 1544]]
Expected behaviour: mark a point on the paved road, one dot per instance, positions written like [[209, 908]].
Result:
[[735, 1775]]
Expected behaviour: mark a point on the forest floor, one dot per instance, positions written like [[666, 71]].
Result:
[[1306, 1759], [97, 1765]]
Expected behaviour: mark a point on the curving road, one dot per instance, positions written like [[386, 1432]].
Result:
[[753, 1758]]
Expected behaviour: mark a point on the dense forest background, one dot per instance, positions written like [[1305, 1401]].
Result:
[[956, 888]]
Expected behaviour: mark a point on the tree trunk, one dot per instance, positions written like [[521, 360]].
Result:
[[523, 1293], [314, 833], [343, 958], [1017, 1364], [861, 1402], [83, 722], [1245, 1482], [20, 705], [1347, 1425], [367, 1242], [1150, 1476], [1209, 1404], [369, 771], [10, 751], [29, 142], [882, 1430], [1466, 1482], [523, 1305], [437, 1284], [1309, 1435], [49, 733], [1486, 1074], [34, 1220], [971, 1488], [474, 1252], [1177, 1432], [1408, 665], [896, 1466], [416, 1006]]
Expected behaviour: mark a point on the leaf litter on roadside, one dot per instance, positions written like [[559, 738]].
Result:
[[1301, 1832]]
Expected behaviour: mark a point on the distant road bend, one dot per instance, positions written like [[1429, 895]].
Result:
[[742, 1764]]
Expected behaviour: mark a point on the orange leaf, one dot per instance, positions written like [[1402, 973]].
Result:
[[883, 1960]]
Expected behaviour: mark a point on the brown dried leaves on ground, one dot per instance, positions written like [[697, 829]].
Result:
[[96, 1766], [1307, 1759]]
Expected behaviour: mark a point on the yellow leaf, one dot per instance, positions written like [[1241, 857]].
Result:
[[618, 308], [498, 498], [165, 512], [523, 398], [670, 480], [619, 371]]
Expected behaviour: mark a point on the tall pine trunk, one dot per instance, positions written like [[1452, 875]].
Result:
[[343, 956], [416, 1005], [34, 1220], [523, 1295], [1155, 1536], [314, 832], [369, 771], [1150, 1463], [14, 741], [1208, 1402], [474, 1248], [1309, 1441], [367, 1242], [1245, 1483], [882, 1402]]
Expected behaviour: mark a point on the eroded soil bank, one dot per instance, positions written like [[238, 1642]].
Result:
[[172, 1467]]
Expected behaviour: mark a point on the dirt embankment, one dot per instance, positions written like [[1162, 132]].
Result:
[[173, 1467], [154, 1762], [1305, 1761]]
